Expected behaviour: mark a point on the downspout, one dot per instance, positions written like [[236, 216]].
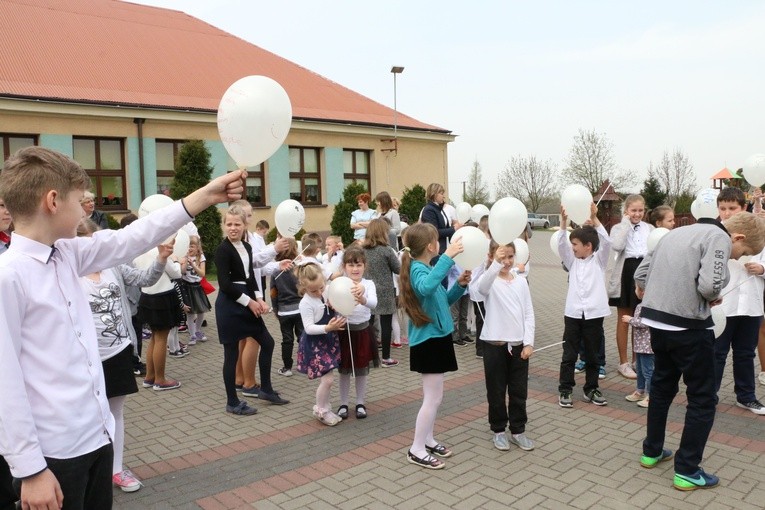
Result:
[[139, 124]]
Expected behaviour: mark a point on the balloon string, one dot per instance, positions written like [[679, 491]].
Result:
[[547, 347], [604, 194], [734, 288], [293, 261], [350, 347]]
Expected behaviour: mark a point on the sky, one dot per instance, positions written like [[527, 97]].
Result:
[[516, 78]]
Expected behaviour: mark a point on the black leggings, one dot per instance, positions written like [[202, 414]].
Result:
[[231, 356], [386, 332]]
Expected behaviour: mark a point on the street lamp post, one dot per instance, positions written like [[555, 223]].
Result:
[[394, 70]]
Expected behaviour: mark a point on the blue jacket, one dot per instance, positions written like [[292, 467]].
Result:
[[432, 213], [434, 299]]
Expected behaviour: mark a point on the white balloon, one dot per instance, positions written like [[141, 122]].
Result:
[[181, 246], [521, 251], [463, 212], [576, 200], [153, 203], [478, 211], [718, 316], [654, 236], [254, 117], [507, 219], [554, 241], [754, 169], [340, 297], [289, 218], [705, 205], [475, 246]]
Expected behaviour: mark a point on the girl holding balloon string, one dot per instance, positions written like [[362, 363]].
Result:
[[430, 331], [358, 348], [319, 347]]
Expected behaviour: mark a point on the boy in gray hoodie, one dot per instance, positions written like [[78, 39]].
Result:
[[678, 284]]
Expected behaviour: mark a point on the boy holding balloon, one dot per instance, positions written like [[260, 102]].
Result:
[[59, 445], [585, 255]]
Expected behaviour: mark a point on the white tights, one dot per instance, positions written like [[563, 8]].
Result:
[[194, 322], [172, 340], [432, 394], [345, 388], [117, 406], [322, 392]]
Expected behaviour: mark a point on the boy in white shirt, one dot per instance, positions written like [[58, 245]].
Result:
[[585, 254], [54, 414]]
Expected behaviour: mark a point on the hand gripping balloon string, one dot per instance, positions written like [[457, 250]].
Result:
[[737, 286], [350, 347], [293, 261], [604, 194]]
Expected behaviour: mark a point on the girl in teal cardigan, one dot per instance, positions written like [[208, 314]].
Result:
[[430, 329]]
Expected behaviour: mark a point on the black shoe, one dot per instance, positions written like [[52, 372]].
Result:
[[204, 323], [459, 342], [361, 412], [139, 369], [342, 412], [274, 398], [468, 340]]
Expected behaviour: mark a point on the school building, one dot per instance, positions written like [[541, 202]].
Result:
[[119, 87]]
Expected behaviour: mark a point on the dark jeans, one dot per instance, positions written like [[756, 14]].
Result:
[[689, 354], [386, 332], [578, 332], [741, 334], [292, 327], [601, 352], [8, 495], [506, 374], [86, 481], [480, 312]]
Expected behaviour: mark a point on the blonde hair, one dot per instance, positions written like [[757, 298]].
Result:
[[308, 273], [236, 210], [417, 239], [749, 225], [631, 199], [433, 190], [32, 172]]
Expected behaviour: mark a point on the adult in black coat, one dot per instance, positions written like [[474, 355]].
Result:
[[433, 213], [88, 204]]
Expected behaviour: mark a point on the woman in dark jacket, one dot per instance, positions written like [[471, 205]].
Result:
[[238, 310], [433, 213]]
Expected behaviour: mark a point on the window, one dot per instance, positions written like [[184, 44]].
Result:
[[256, 190], [305, 181], [356, 167], [12, 143], [167, 153], [104, 160]]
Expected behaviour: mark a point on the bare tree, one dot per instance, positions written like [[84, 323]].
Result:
[[477, 191], [591, 161], [675, 175], [530, 180]]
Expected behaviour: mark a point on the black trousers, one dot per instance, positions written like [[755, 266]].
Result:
[[506, 375], [291, 327], [8, 495], [86, 481], [690, 354], [386, 333], [575, 333]]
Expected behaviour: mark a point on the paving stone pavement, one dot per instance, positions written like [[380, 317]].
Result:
[[191, 454]]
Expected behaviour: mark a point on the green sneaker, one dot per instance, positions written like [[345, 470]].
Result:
[[649, 462], [698, 480]]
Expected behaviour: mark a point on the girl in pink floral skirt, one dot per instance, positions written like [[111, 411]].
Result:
[[319, 348]]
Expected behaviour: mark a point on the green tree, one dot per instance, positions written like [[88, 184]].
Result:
[[412, 201], [683, 203], [341, 218], [652, 192], [192, 171], [477, 191]]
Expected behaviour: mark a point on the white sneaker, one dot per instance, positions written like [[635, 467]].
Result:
[[625, 369], [501, 442], [755, 406], [761, 378], [522, 442], [285, 372], [326, 416]]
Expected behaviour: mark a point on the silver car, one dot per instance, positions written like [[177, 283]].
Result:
[[537, 221]]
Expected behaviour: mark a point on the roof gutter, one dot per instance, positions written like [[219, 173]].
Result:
[[139, 126]]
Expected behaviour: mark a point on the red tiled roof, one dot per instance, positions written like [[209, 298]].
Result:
[[113, 52]]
